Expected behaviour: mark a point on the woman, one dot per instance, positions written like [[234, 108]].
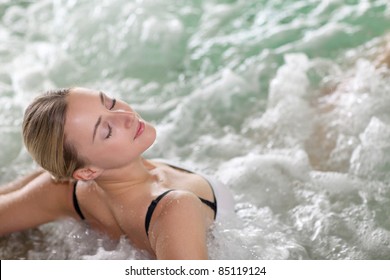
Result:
[[91, 144]]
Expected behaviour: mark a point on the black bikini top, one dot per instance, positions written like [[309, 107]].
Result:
[[152, 206]]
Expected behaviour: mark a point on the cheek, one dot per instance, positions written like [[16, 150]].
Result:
[[119, 147]]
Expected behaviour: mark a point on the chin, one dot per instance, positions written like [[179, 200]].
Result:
[[149, 136]]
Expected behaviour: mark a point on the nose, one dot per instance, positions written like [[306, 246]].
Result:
[[124, 117]]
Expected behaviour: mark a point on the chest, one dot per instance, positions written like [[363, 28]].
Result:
[[126, 214]]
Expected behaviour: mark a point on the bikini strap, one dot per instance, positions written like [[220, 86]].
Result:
[[151, 208], [212, 205], [76, 203]]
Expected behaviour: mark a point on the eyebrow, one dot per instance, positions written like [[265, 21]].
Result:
[[100, 118]]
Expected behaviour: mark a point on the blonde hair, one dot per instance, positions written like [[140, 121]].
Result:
[[44, 134]]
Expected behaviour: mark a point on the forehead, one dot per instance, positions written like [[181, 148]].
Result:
[[81, 93], [81, 98]]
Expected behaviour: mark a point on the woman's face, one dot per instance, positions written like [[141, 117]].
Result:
[[106, 132]]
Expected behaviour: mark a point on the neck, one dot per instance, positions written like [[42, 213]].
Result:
[[119, 180]]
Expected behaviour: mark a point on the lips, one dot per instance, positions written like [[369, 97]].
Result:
[[140, 129]]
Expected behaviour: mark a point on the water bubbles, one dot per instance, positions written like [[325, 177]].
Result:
[[291, 79], [244, 91], [15, 20], [377, 243], [277, 172], [372, 157]]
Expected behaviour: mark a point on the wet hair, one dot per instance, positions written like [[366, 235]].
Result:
[[44, 134]]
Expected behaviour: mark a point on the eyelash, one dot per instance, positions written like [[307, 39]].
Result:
[[113, 104], [109, 132]]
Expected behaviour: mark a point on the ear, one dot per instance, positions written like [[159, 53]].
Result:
[[87, 173]]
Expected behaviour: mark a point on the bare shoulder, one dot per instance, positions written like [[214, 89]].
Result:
[[181, 200], [180, 227]]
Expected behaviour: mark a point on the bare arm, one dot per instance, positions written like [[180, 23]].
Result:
[[180, 231], [20, 182], [34, 200]]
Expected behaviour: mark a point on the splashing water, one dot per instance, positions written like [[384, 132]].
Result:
[[281, 100]]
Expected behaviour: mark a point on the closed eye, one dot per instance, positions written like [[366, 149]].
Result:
[[109, 134], [108, 102]]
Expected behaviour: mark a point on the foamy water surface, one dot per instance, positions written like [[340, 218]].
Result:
[[283, 101]]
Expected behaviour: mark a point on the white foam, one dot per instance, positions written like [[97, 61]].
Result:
[[291, 79], [272, 176], [233, 89], [372, 157]]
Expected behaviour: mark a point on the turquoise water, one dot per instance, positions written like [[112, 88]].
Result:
[[281, 100]]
